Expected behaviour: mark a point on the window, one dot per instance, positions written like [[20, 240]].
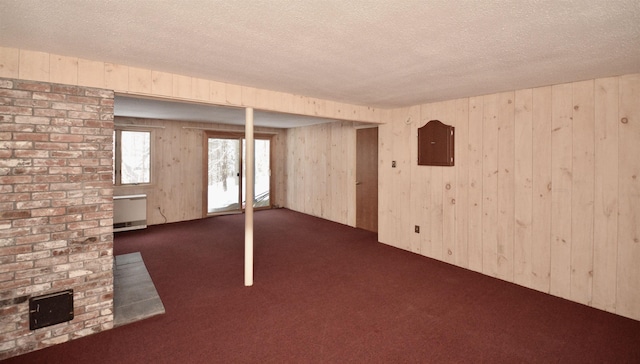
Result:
[[132, 157]]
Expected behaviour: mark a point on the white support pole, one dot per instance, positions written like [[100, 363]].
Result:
[[248, 222]]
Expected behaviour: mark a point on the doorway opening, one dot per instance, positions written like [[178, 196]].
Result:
[[225, 172]]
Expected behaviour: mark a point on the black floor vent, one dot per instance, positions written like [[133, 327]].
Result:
[[50, 309]]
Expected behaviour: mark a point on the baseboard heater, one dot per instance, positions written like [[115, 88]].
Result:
[[129, 212]]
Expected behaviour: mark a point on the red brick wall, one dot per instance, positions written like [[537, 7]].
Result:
[[56, 209]]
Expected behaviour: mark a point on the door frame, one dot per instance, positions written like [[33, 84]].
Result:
[[236, 135]]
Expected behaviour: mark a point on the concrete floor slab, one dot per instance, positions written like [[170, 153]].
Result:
[[135, 295]]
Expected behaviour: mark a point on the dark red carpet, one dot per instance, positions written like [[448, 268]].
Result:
[[328, 293]]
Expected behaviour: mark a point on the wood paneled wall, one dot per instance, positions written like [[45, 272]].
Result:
[[545, 191], [177, 186], [123, 79], [320, 173]]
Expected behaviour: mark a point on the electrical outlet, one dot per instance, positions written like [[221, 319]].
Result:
[[417, 229], [393, 164]]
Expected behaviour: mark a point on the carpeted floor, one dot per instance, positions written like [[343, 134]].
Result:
[[328, 293]]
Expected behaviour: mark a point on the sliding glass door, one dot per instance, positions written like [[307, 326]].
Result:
[[226, 172], [223, 174], [262, 173]]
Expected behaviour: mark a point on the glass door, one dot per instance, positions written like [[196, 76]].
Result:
[[226, 173], [262, 173], [223, 175]]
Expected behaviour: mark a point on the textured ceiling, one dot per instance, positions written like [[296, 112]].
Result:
[[169, 110], [379, 53]]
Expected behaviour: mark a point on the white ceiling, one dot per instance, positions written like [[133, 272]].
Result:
[[379, 53], [166, 110]]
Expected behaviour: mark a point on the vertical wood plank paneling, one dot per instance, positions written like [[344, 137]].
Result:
[[34, 66], [490, 185], [268, 100], [339, 108], [351, 112], [605, 222], [449, 191], [506, 188], [233, 94], [320, 183], [200, 89], [42, 66], [286, 102], [248, 95], [290, 153], [558, 169], [371, 114], [184, 141], [350, 144], [437, 204], [523, 180], [9, 62], [140, 80], [294, 103], [298, 104], [628, 272], [408, 117], [279, 162], [310, 144], [265, 101], [172, 160], [541, 208], [63, 69], [321, 107], [217, 92], [561, 177], [418, 179], [385, 191], [275, 100], [462, 182], [161, 83], [368, 113], [421, 182], [582, 193], [300, 170], [182, 87], [390, 142], [90, 73], [313, 106], [334, 188], [116, 77], [342, 177], [360, 112], [321, 171], [476, 178], [156, 203], [377, 114], [191, 150], [329, 108], [436, 216]]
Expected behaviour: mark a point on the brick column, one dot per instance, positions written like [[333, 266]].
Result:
[[56, 209]]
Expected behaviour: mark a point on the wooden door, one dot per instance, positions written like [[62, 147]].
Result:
[[367, 179]]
